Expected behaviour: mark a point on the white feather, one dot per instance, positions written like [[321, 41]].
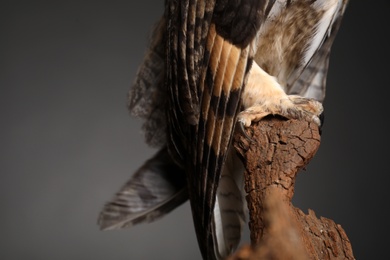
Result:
[[330, 9], [230, 207]]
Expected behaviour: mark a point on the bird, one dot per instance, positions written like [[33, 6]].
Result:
[[214, 67]]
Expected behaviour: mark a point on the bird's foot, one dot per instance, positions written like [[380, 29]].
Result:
[[290, 107]]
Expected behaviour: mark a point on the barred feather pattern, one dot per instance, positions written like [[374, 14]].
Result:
[[311, 83], [203, 103], [190, 88], [147, 96], [155, 189], [299, 57]]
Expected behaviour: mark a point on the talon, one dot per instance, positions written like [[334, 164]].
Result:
[[243, 132], [316, 120], [322, 118]]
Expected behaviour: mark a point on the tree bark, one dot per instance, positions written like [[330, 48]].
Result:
[[273, 151]]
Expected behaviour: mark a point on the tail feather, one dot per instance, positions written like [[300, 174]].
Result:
[[230, 208], [158, 187]]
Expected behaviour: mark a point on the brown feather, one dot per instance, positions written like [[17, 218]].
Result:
[[207, 66]]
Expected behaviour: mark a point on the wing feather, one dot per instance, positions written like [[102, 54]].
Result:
[[207, 66], [147, 96], [209, 48], [311, 82]]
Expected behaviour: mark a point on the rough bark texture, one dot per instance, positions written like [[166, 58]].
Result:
[[273, 151]]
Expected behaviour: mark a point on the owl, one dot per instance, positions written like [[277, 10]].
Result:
[[214, 67]]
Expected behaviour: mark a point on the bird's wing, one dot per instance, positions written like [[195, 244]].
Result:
[[147, 96], [210, 48]]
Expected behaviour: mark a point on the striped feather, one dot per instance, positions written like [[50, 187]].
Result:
[[158, 187], [295, 43], [311, 82], [188, 90], [204, 102], [147, 96]]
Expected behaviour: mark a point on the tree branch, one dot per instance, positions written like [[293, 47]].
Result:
[[273, 154]]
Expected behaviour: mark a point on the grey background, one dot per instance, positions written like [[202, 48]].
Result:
[[67, 142]]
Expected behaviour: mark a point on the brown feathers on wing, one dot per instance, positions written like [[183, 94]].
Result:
[[190, 88], [311, 80], [209, 53]]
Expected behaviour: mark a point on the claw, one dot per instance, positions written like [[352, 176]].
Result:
[[322, 120], [242, 130]]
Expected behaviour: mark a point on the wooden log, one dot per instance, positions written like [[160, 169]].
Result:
[[273, 151]]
